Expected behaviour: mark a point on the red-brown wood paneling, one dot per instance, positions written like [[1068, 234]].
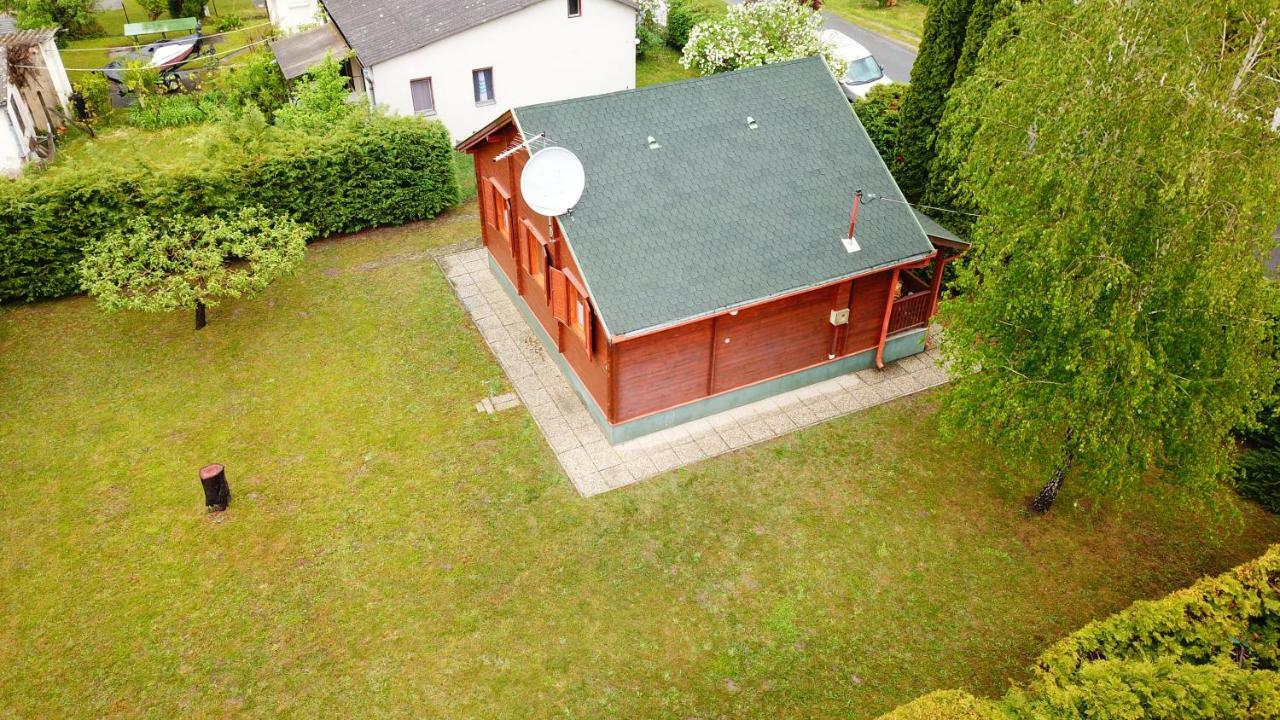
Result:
[[773, 339], [590, 365], [659, 371], [866, 314]]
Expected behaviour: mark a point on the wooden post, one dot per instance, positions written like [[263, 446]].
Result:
[[935, 288], [884, 325], [200, 316], [217, 493]]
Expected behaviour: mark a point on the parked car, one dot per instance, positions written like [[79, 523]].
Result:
[[864, 71]]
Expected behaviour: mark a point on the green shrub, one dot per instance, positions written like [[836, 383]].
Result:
[[186, 8], [164, 111], [254, 80], [647, 38], [368, 171], [227, 23], [681, 17], [1209, 651], [1257, 477], [878, 112], [94, 88], [944, 705]]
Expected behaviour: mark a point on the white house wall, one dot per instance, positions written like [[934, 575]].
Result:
[[15, 144], [292, 15], [538, 54]]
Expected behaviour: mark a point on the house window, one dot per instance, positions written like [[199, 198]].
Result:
[[575, 8], [534, 253], [497, 211], [424, 97], [482, 83]]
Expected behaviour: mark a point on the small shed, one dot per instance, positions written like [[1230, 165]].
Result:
[[709, 263], [34, 91]]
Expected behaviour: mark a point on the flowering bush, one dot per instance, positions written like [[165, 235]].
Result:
[[756, 34]]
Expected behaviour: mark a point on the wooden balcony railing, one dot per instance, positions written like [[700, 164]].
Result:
[[909, 311]]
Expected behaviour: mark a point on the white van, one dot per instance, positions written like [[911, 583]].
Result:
[[864, 72]]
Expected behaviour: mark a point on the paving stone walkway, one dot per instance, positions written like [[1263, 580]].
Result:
[[591, 462]]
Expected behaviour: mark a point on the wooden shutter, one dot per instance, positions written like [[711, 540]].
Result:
[[559, 294]]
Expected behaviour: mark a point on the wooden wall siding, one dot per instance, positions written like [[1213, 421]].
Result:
[[591, 369], [866, 314], [770, 340], [659, 371]]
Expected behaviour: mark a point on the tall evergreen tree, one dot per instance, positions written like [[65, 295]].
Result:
[[931, 79], [1114, 323]]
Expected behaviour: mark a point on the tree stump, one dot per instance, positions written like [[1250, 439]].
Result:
[[217, 493]]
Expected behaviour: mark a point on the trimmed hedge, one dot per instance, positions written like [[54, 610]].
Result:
[[1209, 651], [371, 171]]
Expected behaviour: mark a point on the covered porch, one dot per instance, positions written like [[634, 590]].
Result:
[[916, 297]]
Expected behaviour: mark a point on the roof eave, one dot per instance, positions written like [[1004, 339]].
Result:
[[479, 136]]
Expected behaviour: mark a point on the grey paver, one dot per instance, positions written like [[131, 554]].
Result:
[[591, 463]]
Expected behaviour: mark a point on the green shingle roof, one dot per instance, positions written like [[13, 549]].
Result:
[[933, 229], [721, 214]]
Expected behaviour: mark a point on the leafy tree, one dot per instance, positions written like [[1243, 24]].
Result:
[[321, 100], [879, 112], [154, 8], [185, 8], [1114, 324], [73, 16], [178, 262], [931, 79], [763, 32]]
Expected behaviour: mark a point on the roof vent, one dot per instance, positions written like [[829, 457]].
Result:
[[653, 143], [751, 123]]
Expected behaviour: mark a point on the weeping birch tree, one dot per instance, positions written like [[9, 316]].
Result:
[[1112, 325]]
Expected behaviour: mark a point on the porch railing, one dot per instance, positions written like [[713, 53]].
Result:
[[909, 311]]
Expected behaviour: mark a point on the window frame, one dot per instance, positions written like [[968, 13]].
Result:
[[475, 86], [431, 96], [536, 254], [573, 14], [580, 315]]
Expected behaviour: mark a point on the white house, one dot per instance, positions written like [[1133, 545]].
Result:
[[462, 60], [291, 15], [26, 101]]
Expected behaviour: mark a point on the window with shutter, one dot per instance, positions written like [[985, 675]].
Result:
[[535, 253], [559, 294]]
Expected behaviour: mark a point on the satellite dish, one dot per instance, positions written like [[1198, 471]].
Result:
[[552, 181]]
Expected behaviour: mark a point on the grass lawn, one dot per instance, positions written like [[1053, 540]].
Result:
[[390, 552], [94, 52], [661, 65], [903, 22]]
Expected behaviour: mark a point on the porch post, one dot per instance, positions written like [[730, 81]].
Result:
[[935, 289]]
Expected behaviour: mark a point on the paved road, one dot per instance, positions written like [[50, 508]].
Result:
[[894, 57]]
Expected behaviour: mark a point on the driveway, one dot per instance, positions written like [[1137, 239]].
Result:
[[894, 57]]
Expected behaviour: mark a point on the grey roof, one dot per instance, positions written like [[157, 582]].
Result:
[[299, 53], [722, 215], [933, 229], [383, 29]]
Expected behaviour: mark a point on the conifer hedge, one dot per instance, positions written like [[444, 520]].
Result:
[[1209, 651], [371, 171]]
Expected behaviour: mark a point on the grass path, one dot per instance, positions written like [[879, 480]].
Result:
[[392, 553]]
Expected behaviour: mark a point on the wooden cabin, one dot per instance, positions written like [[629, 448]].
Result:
[[708, 264]]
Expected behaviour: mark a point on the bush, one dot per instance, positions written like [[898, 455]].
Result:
[[944, 705], [878, 112], [647, 38], [254, 80], [186, 8], [1257, 477], [680, 20], [165, 111], [759, 33], [370, 170], [227, 23], [94, 88], [1209, 651], [75, 17]]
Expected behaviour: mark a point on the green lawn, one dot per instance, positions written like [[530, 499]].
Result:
[[390, 552], [904, 22], [661, 65]]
